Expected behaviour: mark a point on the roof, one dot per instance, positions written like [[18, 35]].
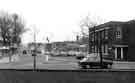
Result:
[[108, 24], [64, 42], [131, 21]]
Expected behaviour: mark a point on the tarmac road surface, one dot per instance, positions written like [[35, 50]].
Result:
[[67, 63]]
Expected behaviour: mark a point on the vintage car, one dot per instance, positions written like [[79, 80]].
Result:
[[93, 61]]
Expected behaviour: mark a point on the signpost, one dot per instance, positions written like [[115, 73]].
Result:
[[34, 59]]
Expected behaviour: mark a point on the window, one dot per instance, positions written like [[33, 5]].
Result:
[[92, 37], [102, 33], [106, 34], [102, 47], [95, 36], [118, 34], [92, 49], [106, 48], [96, 48]]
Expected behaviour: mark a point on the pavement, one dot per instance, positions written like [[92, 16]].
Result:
[[6, 59], [123, 65]]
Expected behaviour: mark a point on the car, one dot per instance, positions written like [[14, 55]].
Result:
[[71, 53], [24, 52], [80, 55], [93, 61]]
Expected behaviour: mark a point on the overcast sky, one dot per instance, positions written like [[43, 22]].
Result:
[[59, 19]]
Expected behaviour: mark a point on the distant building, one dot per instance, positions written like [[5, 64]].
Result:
[[115, 39], [48, 47], [40, 47], [63, 46], [66, 46]]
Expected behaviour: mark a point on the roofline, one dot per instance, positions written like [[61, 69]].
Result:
[[110, 23]]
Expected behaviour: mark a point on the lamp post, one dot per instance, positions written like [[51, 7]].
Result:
[[34, 65], [34, 54], [89, 47], [48, 48]]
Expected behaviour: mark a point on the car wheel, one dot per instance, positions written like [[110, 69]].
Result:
[[109, 66]]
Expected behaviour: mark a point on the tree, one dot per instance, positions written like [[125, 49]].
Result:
[[85, 24], [11, 29]]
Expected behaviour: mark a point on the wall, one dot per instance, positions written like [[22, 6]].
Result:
[[67, 76], [131, 42]]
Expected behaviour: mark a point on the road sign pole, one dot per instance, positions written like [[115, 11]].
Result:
[[89, 46], [34, 65], [35, 50]]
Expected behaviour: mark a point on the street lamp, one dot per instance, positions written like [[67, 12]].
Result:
[[34, 54], [89, 42]]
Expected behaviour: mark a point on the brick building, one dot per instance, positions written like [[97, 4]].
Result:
[[115, 39]]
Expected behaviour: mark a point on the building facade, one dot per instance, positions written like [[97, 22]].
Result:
[[113, 39], [65, 46]]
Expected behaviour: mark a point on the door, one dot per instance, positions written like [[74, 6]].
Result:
[[119, 53], [125, 52]]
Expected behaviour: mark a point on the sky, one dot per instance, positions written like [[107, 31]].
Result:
[[59, 20]]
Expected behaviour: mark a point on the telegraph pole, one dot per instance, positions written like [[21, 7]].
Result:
[[34, 51], [94, 39], [89, 41], [34, 65]]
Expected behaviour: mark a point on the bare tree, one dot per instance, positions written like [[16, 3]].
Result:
[[86, 23], [11, 29], [89, 22]]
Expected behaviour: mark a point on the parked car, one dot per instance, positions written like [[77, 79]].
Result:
[[93, 61], [71, 53], [80, 55], [24, 52]]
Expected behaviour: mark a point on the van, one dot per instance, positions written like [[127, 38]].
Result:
[[93, 60]]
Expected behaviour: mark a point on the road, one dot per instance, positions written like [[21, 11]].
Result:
[[68, 63], [26, 62]]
